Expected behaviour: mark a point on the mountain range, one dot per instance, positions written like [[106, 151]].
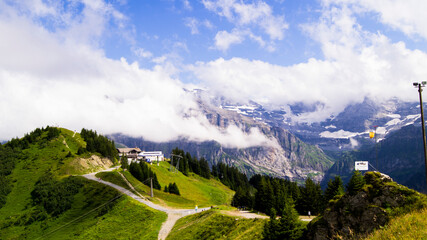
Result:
[[290, 157], [308, 149]]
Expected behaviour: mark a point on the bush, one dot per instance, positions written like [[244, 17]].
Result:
[[55, 196], [172, 188]]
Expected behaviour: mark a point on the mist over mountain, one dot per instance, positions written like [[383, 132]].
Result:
[[283, 155]]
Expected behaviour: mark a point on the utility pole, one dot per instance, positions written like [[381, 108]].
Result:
[[376, 148], [171, 166], [420, 90], [151, 192]]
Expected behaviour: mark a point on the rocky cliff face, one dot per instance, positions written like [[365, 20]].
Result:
[[354, 216], [289, 158]]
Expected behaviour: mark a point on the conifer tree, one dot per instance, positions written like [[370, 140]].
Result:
[[356, 183], [125, 163], [290, 227], [335, 187], [311, 198]]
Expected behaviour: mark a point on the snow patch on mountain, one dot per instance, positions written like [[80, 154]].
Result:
[[340, 134]]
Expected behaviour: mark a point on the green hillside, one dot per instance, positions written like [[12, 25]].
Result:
[[409, 226], [194, 189], [214, 225], [41, 200]]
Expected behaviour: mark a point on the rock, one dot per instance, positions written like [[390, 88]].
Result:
[[353, 217]]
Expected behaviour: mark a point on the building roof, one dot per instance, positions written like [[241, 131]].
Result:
[[128, 150], [157, 153]]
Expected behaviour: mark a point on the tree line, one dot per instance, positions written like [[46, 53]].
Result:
[[98, 143], [187, 164], [39, 135], [143, 173], [267, 194]]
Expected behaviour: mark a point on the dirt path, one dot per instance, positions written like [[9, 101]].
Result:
[[244, 214], [173, 214], [130, 185]]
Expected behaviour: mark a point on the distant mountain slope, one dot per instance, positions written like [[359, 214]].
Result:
[[290, 157], [401, 156], [345, 131]]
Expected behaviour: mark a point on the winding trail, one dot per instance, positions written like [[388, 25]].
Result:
[[173, 214]]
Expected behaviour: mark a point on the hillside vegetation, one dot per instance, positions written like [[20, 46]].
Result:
[[40, 200], [410, 226], [194, 190], [370, 202], [214, 225]]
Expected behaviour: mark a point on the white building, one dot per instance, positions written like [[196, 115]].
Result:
[[151, 156]]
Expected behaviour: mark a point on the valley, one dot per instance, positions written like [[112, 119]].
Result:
[[58, 186]]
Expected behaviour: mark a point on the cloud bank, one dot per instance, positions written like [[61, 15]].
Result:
[[53, 69], [50, 77], [356, 64]]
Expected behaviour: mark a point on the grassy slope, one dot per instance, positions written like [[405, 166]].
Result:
[[194, 189], [106, 223], [201, 191], [409, 226], [214, 225]]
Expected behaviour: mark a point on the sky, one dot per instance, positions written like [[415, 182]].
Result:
[[123, 66]]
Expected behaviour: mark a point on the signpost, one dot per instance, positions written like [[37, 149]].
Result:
[[361, 165]]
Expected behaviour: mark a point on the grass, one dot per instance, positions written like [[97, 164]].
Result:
[[203, 192], [20, 219], [214, 225], [410, 226], [113, 177], [194, 189], [114, 220]]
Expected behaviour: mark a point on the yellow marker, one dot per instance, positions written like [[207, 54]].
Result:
[[371, 134]]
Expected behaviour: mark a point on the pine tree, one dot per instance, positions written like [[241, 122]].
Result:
[[290, 227], [335, 187], [156, 183], [125, 163], [311, 198], [356, 183]]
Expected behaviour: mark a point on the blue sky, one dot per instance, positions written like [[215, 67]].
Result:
[[161, 24], [89, 63], [188, 29]]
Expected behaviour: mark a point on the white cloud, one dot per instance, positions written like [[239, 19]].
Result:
[[45, 79], [187, 5], [142, 53], [224, 39], [249, 17], [407, 16], [193, 24], [380, 70], [357, 64]]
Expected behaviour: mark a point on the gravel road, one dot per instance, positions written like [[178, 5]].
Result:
[[173, 214]]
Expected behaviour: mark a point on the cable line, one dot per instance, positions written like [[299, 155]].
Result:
[[116, 197]]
